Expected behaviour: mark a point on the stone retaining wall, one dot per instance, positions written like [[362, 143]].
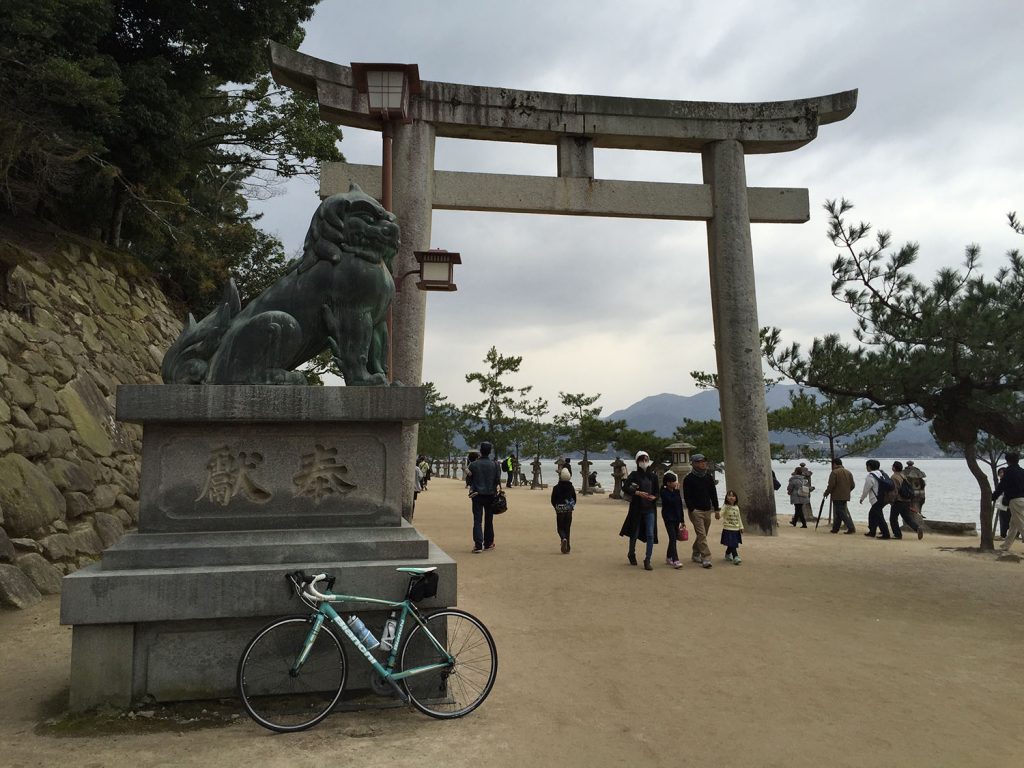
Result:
[[75, 322]]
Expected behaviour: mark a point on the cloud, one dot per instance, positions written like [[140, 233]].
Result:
[[622, 307]]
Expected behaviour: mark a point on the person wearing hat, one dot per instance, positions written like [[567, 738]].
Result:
[[641, 488], [563, 499], [701, 499], [799, 490], [672, 516]]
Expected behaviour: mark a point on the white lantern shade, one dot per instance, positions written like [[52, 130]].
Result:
[[385, 90], [435, 273]]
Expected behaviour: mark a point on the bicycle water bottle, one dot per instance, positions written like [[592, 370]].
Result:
[[361, 631], [387, 637]]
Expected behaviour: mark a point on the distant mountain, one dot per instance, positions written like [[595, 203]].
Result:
[[662, 413]]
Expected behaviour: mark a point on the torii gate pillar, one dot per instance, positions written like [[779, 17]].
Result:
[[737, 337]]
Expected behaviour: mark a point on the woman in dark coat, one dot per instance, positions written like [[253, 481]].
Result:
[[563, 499], [641, 488]]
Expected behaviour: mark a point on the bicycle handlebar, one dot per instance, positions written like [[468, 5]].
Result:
[[305, 586], [312, 590]]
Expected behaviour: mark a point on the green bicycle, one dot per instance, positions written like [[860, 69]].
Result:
[[293, 671]]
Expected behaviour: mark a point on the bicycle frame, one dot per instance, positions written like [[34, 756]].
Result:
[[325, 611]]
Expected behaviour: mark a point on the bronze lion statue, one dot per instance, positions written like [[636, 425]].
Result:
[[336, 297]]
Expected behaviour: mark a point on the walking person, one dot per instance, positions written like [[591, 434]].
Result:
[[1002, 509], [840, 489], [1011, 488], [876, 494], [672, 516], [563, 499], [470, 458], [641, 488], [799, 490], [424, 467], [509, 465], [732, 528], [916, 478], [485, 482], [900, 506], [701, 499]]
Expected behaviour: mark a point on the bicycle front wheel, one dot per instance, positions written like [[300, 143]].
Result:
[[274, 697], [462, 685]]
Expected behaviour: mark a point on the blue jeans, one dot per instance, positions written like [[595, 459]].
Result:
[[483, 520], [647, 521]]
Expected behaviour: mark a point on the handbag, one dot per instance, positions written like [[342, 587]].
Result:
[[682, 533], [500, 504]]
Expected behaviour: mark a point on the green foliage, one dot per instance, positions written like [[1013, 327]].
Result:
[[580, 426], [950, 350], [706, 436], [492, 417], [150, 124], [539, 437], [632, 441], [851, 427], [439, 429]]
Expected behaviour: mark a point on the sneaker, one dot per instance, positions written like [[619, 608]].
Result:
[[477, 550], [669, 561], [489, 547], [565, 546], [677, 564], [696, 558], [705, 563], [737, 560], [728, 556]]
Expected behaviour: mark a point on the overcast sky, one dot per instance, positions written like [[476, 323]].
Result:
[[932, 153]]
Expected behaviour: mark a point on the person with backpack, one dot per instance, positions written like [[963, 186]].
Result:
[[878, 488], [509, 465], [901, 502], [799, 490]]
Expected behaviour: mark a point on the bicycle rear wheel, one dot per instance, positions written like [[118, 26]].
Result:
[[271, 695], [461, 687]]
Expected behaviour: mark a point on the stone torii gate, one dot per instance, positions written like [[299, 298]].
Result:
[[575, 124]]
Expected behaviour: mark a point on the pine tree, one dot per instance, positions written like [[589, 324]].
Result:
[[950, 350]]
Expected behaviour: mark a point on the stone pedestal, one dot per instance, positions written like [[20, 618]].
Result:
[[241, 484]]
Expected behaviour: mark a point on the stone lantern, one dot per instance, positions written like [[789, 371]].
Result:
[[680, 453]]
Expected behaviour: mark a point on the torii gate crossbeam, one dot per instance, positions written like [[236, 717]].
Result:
[[722, 133]]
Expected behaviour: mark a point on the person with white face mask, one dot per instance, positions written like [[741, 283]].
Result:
[[641, 488]]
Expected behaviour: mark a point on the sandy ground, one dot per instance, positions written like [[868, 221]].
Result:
[[818, 650]]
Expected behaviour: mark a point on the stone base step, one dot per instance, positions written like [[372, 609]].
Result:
[[177, 550]]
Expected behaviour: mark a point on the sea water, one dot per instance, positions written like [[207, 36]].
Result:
[[951, 492]]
